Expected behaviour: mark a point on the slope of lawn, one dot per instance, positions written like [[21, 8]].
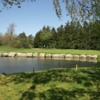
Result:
[[55, 84], [52, 51], [43, 50]]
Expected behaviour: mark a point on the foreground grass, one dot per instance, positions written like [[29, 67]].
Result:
[[55, 84]]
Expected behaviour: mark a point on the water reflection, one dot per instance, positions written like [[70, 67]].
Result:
[[15, 65]]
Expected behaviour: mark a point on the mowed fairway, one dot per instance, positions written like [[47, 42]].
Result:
[[52, 51]]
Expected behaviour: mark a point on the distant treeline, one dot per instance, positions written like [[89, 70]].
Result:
[[73, 35], [20, 41]]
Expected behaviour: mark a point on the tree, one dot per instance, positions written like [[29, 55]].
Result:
[[9, 35], [30, 39], [23, 39], [77, 9], [10, 31], [16, 43], [46, 36], [60, 43], [1, 39], [37, 40], [53, 39], [42, 38]]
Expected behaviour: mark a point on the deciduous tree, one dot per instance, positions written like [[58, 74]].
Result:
[[77, 9]]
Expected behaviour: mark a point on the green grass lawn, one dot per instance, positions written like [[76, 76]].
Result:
[[55, 84], [58, 51], [52, 51]]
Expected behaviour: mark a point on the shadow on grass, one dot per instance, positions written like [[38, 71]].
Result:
[[38, 78], [29, 94], [21, 77], [86, 77], [59, 94]]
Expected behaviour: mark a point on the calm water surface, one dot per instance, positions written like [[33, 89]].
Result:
[[15, 65]]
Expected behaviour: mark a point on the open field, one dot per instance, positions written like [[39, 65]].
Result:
[[51, 51], [55, 84], [58, 51]]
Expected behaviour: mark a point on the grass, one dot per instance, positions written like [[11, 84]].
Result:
[[52, 51], [55, 84]]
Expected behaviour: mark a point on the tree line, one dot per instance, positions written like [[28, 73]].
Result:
[[16, 41], [73, 35], [20, 41]]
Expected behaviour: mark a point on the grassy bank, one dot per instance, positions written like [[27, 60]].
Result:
[[55, 84], [52, 51], [58, 51]]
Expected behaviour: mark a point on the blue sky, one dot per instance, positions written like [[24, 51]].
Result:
[[31, 17]]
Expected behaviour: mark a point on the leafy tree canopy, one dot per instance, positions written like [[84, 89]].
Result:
[[77, 9]]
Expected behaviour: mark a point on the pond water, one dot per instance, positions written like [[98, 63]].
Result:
[[15, 65]]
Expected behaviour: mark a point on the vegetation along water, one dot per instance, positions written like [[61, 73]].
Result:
[[79, 36]]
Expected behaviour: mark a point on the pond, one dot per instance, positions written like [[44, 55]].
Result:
[[15, 65]]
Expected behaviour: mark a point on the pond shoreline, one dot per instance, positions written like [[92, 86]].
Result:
[[82, 57]]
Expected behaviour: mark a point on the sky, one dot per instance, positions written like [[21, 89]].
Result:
[[31, 17]]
